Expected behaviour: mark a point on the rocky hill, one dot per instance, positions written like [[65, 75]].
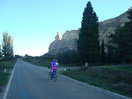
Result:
[[108, 27], [69, 39], [66, 43]]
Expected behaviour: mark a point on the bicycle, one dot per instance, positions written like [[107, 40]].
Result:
[[54, 78]]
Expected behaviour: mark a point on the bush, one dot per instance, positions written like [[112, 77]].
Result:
[[70, 57]]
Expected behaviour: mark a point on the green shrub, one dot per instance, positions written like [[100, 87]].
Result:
[[69, 57]]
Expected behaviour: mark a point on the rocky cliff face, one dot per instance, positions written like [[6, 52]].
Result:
[[67, 42], [108, 27], [69, 38]]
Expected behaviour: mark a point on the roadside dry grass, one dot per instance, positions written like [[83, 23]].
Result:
[[114, 78], [45, 62], [8, 65]]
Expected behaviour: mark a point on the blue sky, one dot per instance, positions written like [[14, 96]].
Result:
[[33, 24]]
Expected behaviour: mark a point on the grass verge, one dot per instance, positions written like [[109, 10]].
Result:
[[45, 62], [114, 78], [38, 62], [8, 65]]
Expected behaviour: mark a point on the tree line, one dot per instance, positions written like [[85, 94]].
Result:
[[119, 46], [6, 50]]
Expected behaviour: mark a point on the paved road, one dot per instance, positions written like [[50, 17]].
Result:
[[31, 82]]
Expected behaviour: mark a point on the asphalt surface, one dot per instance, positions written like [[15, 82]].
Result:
[[31, 82]]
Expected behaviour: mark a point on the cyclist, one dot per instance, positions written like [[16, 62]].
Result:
[[53, 65]]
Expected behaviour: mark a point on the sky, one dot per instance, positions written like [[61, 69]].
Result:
[[33, 24]]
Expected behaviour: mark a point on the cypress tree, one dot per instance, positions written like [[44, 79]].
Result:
[[88, 43], [102, 53]]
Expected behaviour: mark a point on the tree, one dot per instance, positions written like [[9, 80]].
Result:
[[69, 57], [122, 41], [7, 46], [88, 43], [102, 53], [128, 32]]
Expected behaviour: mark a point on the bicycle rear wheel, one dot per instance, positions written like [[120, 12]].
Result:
[[54, 76], [49, 76]]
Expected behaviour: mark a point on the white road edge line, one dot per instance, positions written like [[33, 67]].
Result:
[[107, 91], [9, 83]]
